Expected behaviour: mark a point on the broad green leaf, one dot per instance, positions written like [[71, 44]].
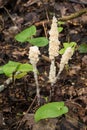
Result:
[[10, 67], [60, 29], [25, 67], [1, 70], [20, 75], [83, 48], [50, 110], [41, 41], [25, 34]]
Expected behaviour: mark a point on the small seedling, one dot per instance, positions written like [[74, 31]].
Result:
[[15, 67], [50, 110], [60, 28], [28, 34], [66, 45]]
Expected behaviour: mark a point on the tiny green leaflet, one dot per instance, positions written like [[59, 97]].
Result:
[[66, 45]]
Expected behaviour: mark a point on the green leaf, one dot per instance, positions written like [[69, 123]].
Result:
[[10, 67], [25, 67], [50, 110], [40, 42], [71, 44], [1, 70], [83, 48], [60, 29], [62, 51], [20, 75], [66, 45], [60, 23], [25, 34]]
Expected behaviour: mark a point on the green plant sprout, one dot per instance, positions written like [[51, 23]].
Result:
[[66, 45], [27, 36], [60, 28], [50, 110], [14, 67], [17, 69]]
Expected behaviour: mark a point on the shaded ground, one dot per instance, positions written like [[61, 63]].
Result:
[[71, 88]]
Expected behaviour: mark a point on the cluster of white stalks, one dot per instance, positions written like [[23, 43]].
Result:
[[34, 53], [54, 51], [54, 44]]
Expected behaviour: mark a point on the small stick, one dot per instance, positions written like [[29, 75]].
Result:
[[46, 58], [9, 15], [64, 18], [26, 112]]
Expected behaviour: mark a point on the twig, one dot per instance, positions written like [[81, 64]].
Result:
[[74, 15], [9, 15], [27, 112], [65, 18], [45, 58], [45, 29], [79, 2]]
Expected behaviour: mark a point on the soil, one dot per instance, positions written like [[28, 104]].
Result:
[[18, 101]]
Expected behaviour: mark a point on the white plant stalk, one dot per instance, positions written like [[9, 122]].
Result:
[[53, 52], [52, 73], [36, 81], [52, 77], [53, 49], [64, 60], [53, 40], [34, 58]]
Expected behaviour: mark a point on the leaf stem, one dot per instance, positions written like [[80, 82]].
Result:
[[37, 84]]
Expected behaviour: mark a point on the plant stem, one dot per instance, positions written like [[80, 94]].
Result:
[[6, 83], [37, 84]]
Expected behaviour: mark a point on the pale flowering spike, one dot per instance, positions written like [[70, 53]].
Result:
[[53, 40], [52, 73], [34, 54], [34, 58], [65, 58]]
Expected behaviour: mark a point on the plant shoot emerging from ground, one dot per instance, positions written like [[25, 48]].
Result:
[[53, 50], [34, 58]]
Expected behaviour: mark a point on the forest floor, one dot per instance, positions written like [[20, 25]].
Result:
[[71, 88]]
